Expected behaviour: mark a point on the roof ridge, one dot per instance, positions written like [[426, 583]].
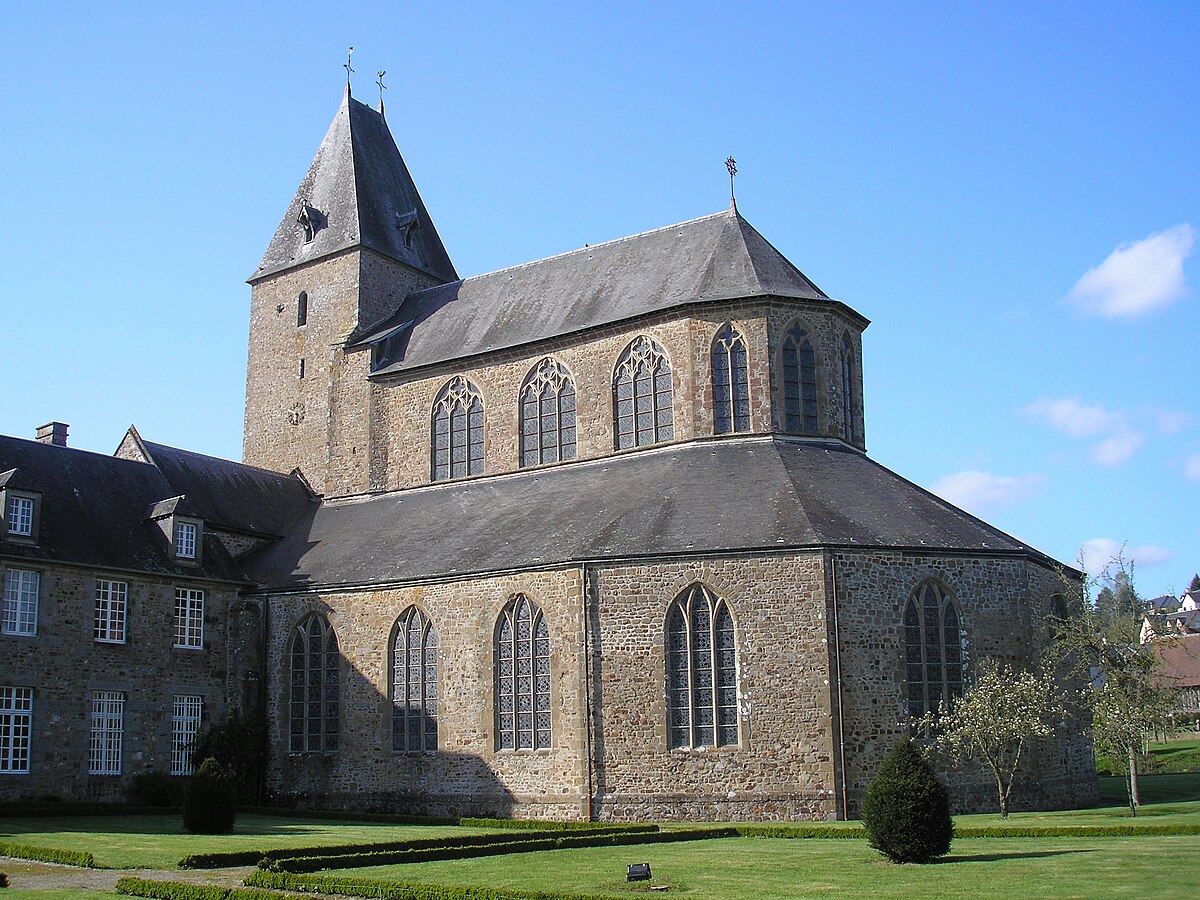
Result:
[[68, 449], [589, 247], [221, 459]]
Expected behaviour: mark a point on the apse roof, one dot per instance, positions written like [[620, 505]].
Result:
[[358, 192], [703, 497]]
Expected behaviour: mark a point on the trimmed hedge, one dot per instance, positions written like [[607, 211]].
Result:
[[429, 853], [346, 815], [175, 890], [50, 855], [1034, 831], [539, 825], [391, 890], [802, 832]]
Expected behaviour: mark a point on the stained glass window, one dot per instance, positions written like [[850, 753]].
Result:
[[932, 648], [315, 687], [701, 671], [457, 431], [642, 412], [522, 677], [799, 382], [414, 684], [547, 415], [731, 382]]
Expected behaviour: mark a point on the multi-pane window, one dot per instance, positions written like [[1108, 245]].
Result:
[[847, 361], [21, 588], [701, 671], [642, 412], [189, 618], [20, 516], [799, 382], [111, 600], [731, 382], [186, 712], [16, 728], [522, 677], [414, 684], [933, 649], [315, 688], [185, 540], [107, 730], [457, 431], [547, 415]]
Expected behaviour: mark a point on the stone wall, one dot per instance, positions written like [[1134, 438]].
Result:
[[63, 664]]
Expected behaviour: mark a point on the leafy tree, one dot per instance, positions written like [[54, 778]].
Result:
[[239, 745], [1002, 711], [210, 806], [905, 810]]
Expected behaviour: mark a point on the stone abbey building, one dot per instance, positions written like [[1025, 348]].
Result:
[[595, 536]]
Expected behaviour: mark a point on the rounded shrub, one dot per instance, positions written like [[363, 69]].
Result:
[[906, 811], [210, 806]]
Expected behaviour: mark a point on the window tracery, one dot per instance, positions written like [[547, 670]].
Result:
[[315, 700], [457, 431], [701, 671], [522, 677], [414, 684], [799, 382], [642, 411], [933, 648], [731, 382], [547, 414]]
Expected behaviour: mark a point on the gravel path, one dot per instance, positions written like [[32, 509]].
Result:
[[24, 874]]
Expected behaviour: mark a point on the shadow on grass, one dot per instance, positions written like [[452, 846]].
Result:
[[156, 825], [999, 857]]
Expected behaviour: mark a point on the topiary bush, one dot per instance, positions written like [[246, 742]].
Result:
[[906, 811], [210, 806], [239, 745], [155, 788]]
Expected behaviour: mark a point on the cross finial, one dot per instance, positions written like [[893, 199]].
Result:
[[382, 87], [731, 165], [346, 65]]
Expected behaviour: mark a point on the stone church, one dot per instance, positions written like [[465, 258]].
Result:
[[591, 537]]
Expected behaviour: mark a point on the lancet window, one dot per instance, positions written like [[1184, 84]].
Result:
[[701, 671], [642, 412], [522, 677], [846, 355], [457, 431], [933, 648], [414, 684], [731, 382], [799, 382], [547, 415], [315, 687]]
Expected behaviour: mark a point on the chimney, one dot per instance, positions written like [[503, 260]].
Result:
[[53, 433]]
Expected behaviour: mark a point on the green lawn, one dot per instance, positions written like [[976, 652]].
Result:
[[1166, 758], [770, 869], [121, 842]]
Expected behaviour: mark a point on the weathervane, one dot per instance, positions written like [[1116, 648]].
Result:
[[349, 69], [731, 165]]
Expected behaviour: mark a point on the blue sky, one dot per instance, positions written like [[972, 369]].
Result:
[[1007, 190]]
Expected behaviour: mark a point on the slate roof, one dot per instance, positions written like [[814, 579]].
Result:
[[1180, 660], [722, 495], [231, 494], [718, 257], [363, 195], [94, 512]]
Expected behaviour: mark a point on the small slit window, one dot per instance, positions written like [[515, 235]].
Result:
[[847, 365], [302, 309]]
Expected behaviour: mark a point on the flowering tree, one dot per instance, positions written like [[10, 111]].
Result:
[[994, 721]]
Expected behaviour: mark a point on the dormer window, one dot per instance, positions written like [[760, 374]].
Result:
[[408, 223], [308, 221], [185, 540], [20, 510], [20, 516]]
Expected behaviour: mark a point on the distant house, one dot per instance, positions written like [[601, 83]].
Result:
[[1179, 665]]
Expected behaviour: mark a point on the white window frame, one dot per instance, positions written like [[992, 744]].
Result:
[[22, 512], [187, 711], [21, 590], [106, 733], [112, 600], [189, 619], [16, 729], [187, 537]]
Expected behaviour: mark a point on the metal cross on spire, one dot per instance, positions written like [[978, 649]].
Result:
[[731, 165], [346, 65], [382, 87]]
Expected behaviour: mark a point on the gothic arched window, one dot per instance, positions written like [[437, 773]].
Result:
[[1059, 617], [701, 671], [642, 396], [302, 309], [799, 382], [933, 648], [731, 382], [414, 684], [315, 687], [547, 414], [522, 677], [846, 355], [457, 431]]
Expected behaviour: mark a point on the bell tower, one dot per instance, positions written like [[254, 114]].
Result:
[[354, 242]]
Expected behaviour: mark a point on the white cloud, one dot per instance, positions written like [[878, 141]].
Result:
[[981, 491], [1191, 467], [1171, 421], [1138, 277], [1117, 448], [1072, 416], [1096, 554]]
